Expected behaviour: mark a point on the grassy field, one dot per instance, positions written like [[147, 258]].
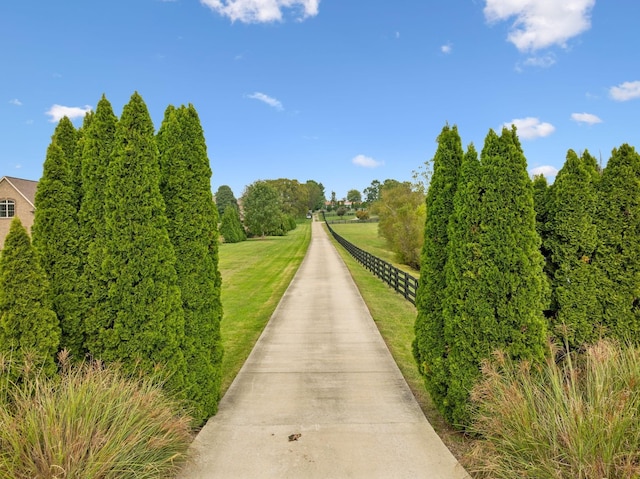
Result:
[[255, 275], [365, 236]]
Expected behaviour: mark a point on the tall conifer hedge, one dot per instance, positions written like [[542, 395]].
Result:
[[55, 236], [28, 324], [496, 288], [616, 258], [429, 346], [572, 241], [193, 230], [140, 322], [96, 149]]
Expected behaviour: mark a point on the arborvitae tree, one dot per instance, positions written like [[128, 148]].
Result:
[[592, 166], [28, 325], [262, 211], [97, 145], [464, 305], [67, 138], [572, 243], [542, 192], [55, 239], [501, 307], [140, 323], [618, 222], [224, 198], [231, 228], [429, 345], [193, 230]]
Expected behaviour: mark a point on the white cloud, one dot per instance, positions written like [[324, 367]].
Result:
[[586, 118], [530, 128], [446, 49], [547, 170], [541, 23], [544, 61], [625, 91], [15, 102], [56, 112], [266, 99], [397, 34], [366, 162], [261, 11]]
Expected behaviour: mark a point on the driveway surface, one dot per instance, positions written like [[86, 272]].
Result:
[[320, 395]]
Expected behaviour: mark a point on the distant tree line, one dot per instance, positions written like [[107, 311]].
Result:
[[123, 262], [266, 208], [509, 263]]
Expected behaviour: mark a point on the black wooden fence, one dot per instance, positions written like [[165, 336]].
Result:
[[402, 282]]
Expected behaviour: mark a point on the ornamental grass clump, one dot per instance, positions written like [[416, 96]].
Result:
[[576, 418], [91, 422]]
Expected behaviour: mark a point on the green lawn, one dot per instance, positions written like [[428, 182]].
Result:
[[255, 275], [365, 236]]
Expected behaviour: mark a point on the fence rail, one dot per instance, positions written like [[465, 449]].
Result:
[[402, 282]]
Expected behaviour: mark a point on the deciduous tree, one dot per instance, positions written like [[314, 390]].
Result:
[[262, 210]]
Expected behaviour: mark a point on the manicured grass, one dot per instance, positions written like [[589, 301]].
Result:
[[255, 275], [395, 317], [365, 236]]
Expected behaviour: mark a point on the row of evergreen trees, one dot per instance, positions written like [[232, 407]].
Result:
[[508, 263], [126, 232]]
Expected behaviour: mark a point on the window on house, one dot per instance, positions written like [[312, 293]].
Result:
[[7, 208]]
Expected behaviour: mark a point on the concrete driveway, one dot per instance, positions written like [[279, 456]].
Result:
[[320, 395]]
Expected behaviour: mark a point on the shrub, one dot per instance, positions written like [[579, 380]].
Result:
[[362, 214], [576, 418], [92, 423]]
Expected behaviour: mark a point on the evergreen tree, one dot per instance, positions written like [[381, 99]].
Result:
[[231, 228], [616, 258], [67, 138], [464, 305], [429, 345], [140, 322], [224, 198], [95, 148], [572, 243], [55, 238], [495, 296], [541, 201], [193, 230], [592, 166], [28, 325]]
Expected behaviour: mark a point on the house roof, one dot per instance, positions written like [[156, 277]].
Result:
[[27, 188]]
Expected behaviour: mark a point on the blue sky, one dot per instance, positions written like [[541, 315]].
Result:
[[341, 92]]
